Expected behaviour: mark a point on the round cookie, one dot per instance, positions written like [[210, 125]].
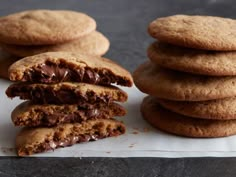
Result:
[[94, 43], [174, 85], [221, 109], [200, 32], [6, 60], [193, 60], [184, 126], [42, 27]]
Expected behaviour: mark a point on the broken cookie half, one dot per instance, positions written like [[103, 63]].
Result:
[[66, 93], [54, 67], [35, 140], [33, 115]]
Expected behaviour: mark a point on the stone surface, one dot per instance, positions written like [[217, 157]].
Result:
[[125, 24], [118, 167]]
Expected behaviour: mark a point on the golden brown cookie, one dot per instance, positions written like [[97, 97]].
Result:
[[66, 93], [6, 60], [192, 60], [95, 43], [200, 32], [54, 67], [184, 126], [221, 109], [31, 115], [42, 27], [35, 140], [174, 85]]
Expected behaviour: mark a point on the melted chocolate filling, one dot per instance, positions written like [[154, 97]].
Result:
[[71, 140], [53, 73], [50, 96], [56, 118]]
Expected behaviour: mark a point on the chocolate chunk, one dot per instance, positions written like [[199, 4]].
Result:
[[66, 93], [36, 140], [31, 115], [51, 73]]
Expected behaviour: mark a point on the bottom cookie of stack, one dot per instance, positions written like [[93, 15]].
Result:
[[36, 140], [178, 124]]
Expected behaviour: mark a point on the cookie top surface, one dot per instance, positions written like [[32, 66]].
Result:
[[41, 27], [200, 32], [181, 125], [31, 115], [6, 60], [95, 43], [36, 140], [192, 60], [173, 85], [222, 109], [66, 93], [54, 67]]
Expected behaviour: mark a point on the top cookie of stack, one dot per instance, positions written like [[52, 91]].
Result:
[[37, 31], [192, 75], [32, 32]]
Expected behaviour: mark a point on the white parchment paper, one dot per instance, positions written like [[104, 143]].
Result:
[[140, 140]]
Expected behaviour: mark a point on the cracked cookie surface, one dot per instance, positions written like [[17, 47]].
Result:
[[200, 32]]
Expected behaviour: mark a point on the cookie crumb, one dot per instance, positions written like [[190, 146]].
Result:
[[135, 132]]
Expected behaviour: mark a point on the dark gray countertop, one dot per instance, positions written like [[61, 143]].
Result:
[[124, 22]]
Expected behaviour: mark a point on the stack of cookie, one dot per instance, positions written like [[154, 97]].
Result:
[[70, 100], [37, 31], [191, 76]]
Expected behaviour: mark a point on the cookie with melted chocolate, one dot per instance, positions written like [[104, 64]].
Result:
[[66, 93], [54, 67], [35, 140], [32, 115]]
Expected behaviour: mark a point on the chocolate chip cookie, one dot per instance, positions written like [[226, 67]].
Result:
[[174, 85], [32, 115], [182, 125], [94, 43], [35, 140], [200, 32], [54, 67], [192, 60], [66, 93], [221, 109]]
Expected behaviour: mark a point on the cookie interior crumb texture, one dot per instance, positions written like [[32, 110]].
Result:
[[54, 67], [33, 115], [35, 140]]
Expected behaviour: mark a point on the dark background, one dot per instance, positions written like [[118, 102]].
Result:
[[125, 23]]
